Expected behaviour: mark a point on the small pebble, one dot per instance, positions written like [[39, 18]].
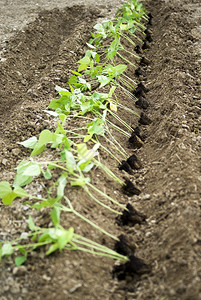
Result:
[[146, 197], [47, 278], [4, 161], [19, 271], [75, 288], [16, 151]]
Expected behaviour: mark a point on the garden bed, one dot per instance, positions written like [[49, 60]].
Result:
[[168, 238]]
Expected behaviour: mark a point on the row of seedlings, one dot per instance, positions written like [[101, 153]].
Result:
[[71, 161]]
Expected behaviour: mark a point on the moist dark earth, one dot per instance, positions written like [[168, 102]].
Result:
[[164, 228]]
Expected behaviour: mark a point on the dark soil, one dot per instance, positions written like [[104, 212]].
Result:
[[131, 216], [165, 246]]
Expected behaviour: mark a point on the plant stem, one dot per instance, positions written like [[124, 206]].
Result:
[[129, 79], [128, 39], [120, 120], [99, 202], [87, 220], [126, 83], [128, 109], [122, 151], [128, 61], [108, 171], [108, 197], [123, 49], [119, 129], [108, 151]]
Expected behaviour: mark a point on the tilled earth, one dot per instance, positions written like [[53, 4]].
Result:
[[39, 57]]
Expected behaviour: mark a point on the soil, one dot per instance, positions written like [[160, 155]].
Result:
[[163, 229]]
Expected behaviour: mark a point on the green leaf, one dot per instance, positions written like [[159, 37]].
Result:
[[111, 54], [54, 233], [70, 161], [47, 203], [7, 249], [8, 195], [62, 91], [5, 189], [58, 140], [21, 180], [19, 192], [100, 29], [33, 169], [81, 149], [111, 91], [20, 260], [63, 118], [47, 174], [124, 26], [96, 127], [104, 80], [85, 154], [8, 199], [31, 224], [76, 73], [22, 250], [84, 61], [86, 107], [58, 104], [55, 216], [87, 137], [115, 71], [62, 184], [120, 69], [30, 143], [82, 67], [46, 136], [65, 238], [73, 80], [45, 237], [80, 182], [86, 166], [52, 248], [25, 172]]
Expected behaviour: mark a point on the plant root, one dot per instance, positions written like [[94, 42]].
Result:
[[144, 119], [131, 217]]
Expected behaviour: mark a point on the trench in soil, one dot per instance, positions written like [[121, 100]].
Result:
[[169, 179]]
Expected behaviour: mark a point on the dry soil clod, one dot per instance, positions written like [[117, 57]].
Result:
[[130, 217], [148, 36], [126, 167], [124, 246], [140, 90], [137, 131], [144, 61], [134, 162], [129, 189], [142, 86], [140, 72], [137, 49], [150, 19], [135, 266], [146, 45], [144, 119], [131, 164], [142, 103], [135, 141]]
